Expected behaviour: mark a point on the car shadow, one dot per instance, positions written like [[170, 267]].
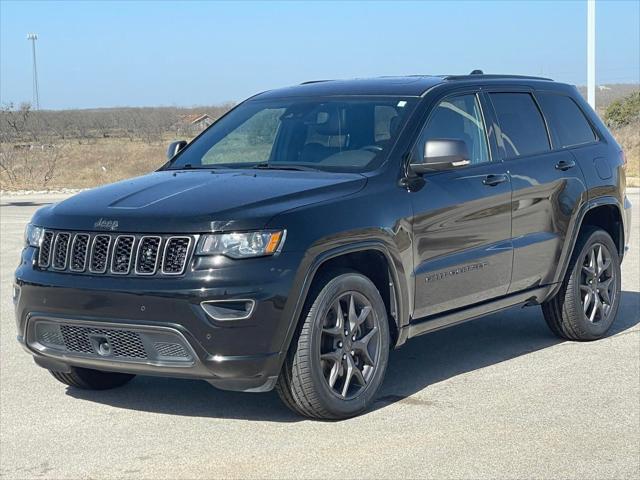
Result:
[[423, 361]]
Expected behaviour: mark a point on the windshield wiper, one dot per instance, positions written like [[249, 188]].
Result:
[[275, 166]]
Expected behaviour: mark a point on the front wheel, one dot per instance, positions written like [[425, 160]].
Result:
[[337, 362], [586, 304]]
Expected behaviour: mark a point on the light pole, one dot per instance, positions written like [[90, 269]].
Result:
[[591, 53], [36, 95]]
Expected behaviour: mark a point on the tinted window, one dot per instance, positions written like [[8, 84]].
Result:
[[521, 124], [566, 120], [459, 118]]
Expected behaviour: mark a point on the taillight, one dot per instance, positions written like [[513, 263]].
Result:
[[623, 159]]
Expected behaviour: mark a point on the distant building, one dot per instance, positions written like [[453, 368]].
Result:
[[196, 122]]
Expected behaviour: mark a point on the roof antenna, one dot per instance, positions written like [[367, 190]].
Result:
[[477, 72]]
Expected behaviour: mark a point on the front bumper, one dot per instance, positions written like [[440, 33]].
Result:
[[244, 354]]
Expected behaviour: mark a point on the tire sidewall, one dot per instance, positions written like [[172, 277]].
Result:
[[333, 289]]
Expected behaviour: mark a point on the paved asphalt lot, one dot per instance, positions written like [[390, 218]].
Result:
[[498, 397]]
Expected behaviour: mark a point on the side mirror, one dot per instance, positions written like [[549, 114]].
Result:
[[175, 147], [442, 154]]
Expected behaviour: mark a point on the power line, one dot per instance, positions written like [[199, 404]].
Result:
[[36, 95]]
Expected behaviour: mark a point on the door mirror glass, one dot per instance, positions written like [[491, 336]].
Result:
[[442, 154], [175, 147]]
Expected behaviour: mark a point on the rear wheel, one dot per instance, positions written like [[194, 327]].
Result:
[[587, 303], [337, 362], [88, 379]]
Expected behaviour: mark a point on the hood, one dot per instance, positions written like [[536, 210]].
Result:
[[192, 201]]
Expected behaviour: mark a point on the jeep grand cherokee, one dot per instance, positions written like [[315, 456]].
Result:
[[311, 229]]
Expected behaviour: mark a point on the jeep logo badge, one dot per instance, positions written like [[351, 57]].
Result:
[[105, 224]]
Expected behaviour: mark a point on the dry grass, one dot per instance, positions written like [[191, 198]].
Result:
[[101, 161], [629, 138]]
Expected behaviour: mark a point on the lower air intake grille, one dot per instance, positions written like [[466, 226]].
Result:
[[171, 350], [123, 343]]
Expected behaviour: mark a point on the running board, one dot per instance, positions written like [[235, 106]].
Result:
[[437, 322]]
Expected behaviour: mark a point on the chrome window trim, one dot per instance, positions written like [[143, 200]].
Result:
[[66, 254], [86, 252], [113, 254], [93, 245], [155, 267], [186, 259]]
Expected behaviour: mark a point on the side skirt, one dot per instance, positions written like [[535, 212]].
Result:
[[424, 325]]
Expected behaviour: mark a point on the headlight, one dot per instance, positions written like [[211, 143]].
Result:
[[242, 245], [33, 235]]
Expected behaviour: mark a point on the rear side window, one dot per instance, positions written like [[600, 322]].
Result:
[[522, 127], [566, 120]]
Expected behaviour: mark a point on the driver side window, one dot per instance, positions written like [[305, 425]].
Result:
[[458, 118]]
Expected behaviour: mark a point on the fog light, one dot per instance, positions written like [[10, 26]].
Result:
[[229, 309]]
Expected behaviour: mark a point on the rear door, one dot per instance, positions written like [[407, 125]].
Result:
[[547, 186], [462, 216]]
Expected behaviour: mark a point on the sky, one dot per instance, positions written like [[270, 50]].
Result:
[[151, 53]]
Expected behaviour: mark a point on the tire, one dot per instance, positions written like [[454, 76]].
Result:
[[587, 303], [323, 358], [88, 379]]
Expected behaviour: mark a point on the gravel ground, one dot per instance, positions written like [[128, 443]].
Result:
[[495, 398]]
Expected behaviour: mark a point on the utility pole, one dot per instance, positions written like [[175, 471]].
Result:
[[36, 95], [591, 53]]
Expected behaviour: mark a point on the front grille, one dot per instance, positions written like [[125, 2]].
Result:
[[111, 254], [124, 343]]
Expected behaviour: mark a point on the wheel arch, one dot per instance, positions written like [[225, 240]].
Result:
[[602, 212], [366, 257]]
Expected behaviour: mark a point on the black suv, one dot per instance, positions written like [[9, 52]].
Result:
[[313, 228]]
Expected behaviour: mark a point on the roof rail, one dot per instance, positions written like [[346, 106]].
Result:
[[314, 81], [478, 74]]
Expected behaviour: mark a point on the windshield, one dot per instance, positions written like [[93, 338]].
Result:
[[351, 135]]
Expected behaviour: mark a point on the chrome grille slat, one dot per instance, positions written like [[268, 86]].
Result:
[[79, 251], [100, 253], [124, 254], [60, 250], [44, 254], [148, 255], [174, 258]]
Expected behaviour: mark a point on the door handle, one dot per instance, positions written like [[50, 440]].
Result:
[[565, 165], [493, 180]]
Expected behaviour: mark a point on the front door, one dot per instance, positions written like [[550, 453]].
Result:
[[462, 217]]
